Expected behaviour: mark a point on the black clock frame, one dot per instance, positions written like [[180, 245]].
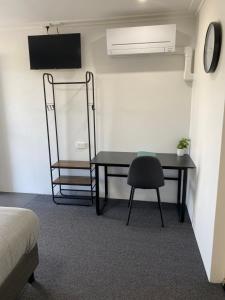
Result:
[[217, 47]]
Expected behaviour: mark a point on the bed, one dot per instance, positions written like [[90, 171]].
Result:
[[19, 230]]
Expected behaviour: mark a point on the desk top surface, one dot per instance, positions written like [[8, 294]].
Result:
[[124, 159]]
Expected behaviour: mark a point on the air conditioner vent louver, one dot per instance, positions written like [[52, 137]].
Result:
[[144, 39]]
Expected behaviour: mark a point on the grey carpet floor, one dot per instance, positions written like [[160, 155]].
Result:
[[83, 256]]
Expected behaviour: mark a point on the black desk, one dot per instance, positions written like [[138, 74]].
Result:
[[124, 159]]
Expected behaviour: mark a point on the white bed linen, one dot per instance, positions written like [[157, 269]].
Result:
[[19, 229]]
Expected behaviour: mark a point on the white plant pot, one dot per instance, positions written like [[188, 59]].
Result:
[[180, 152]]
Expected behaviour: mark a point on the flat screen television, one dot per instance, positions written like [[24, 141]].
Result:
[[55, 51]]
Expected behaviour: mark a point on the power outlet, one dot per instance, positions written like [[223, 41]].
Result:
[[81, 145]]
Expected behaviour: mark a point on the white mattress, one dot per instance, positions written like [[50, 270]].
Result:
[[19, 229]]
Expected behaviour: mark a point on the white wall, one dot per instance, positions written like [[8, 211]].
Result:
[[218, 253], [207, 117], [143, 103]]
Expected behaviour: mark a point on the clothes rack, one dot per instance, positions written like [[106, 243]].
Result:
[[63, 187]]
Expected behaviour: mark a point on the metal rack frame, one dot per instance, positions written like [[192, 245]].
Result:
[[51, 107]]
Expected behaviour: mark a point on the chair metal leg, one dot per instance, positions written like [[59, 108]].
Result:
[[130, 204], [160, 209], [130, 197]]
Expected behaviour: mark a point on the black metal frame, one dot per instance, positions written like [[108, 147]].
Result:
[[181, 179], [51, 107]]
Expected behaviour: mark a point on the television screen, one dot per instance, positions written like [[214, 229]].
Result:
[[55, 51]]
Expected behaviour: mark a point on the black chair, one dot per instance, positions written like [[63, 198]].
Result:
[[145, 172]]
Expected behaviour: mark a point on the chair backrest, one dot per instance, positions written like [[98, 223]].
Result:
[[145, 172]]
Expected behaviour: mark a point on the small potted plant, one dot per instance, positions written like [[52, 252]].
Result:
[[182, 146]]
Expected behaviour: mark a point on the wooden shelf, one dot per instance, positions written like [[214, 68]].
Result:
[[74, 180], [71, 164]]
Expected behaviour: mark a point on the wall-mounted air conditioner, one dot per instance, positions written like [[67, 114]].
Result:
[[144, 39]]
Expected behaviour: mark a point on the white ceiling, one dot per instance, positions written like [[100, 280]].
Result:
[[18, 12]]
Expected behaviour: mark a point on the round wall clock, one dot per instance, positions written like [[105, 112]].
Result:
[[212, 47]]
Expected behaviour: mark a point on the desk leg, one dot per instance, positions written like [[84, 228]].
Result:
[[97, 200], [179, 188], [106, 183], [184, 192]]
